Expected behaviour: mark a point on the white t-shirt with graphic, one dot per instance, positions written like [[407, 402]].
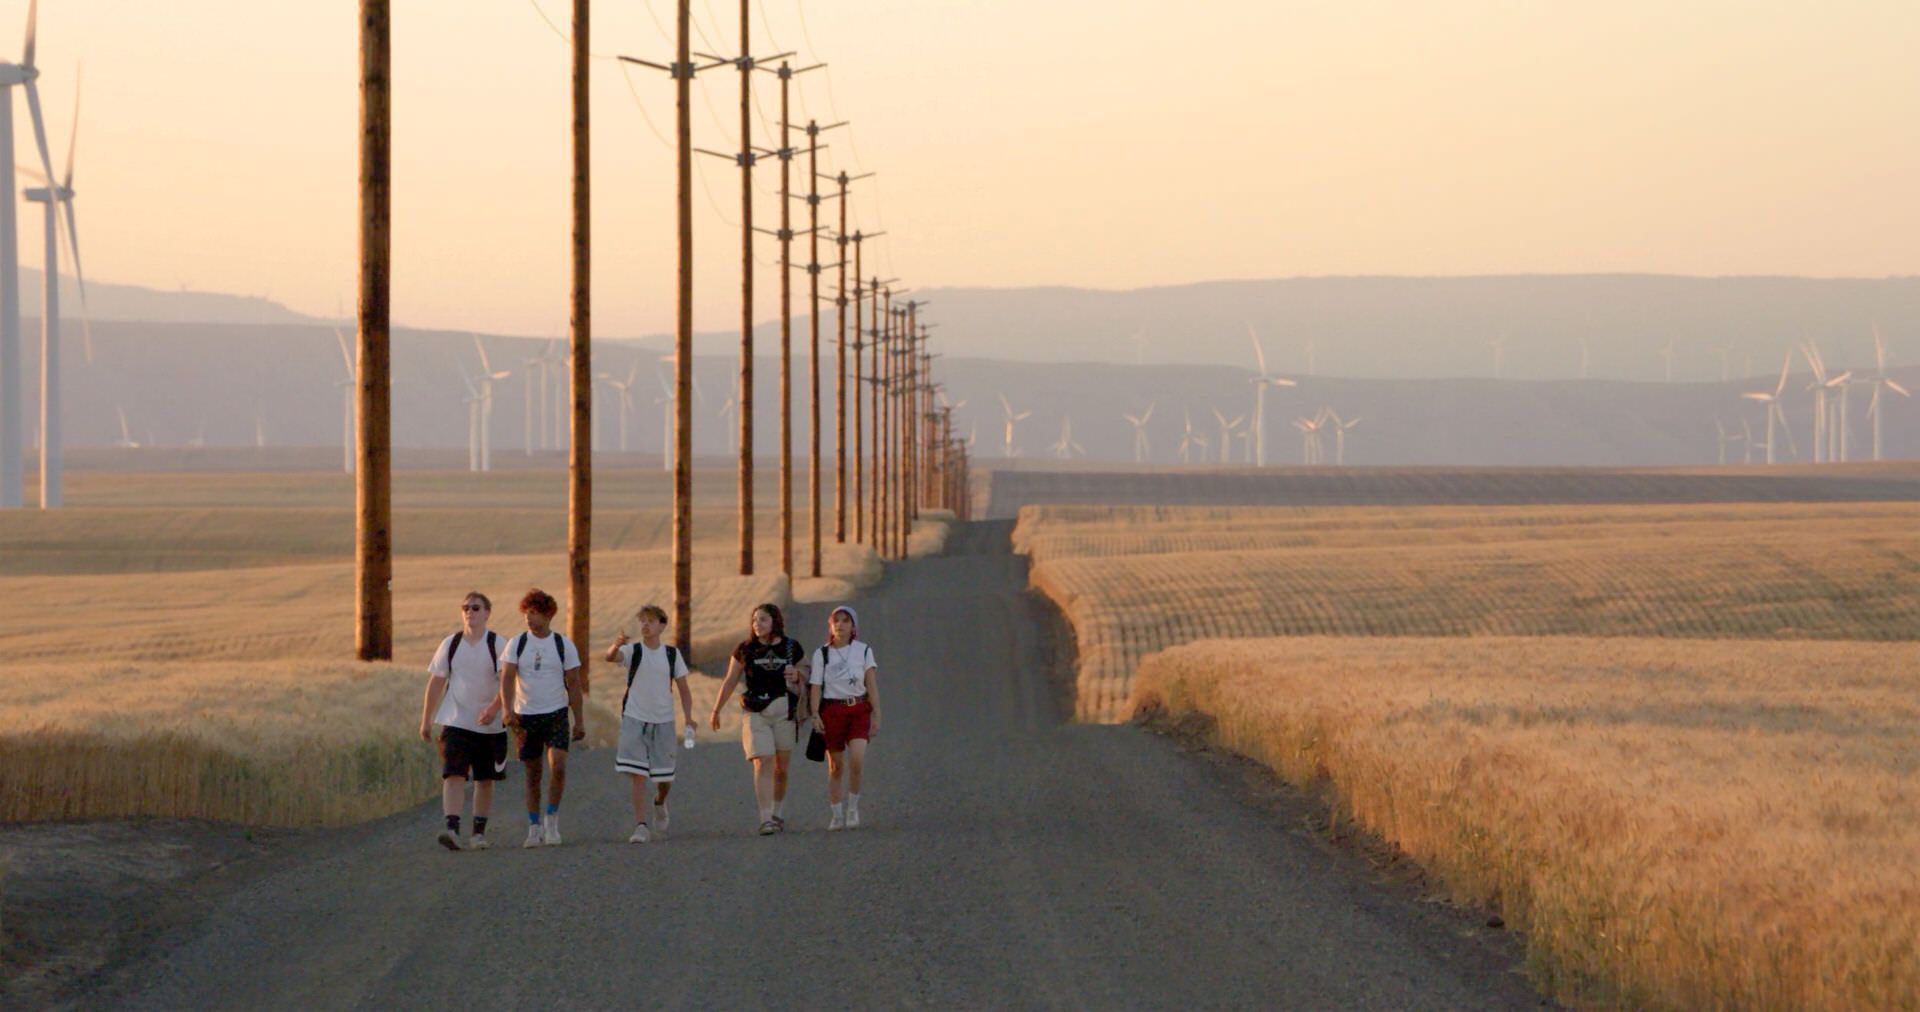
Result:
[[541, 684], [650, 698], [844, 675], [472, 682]]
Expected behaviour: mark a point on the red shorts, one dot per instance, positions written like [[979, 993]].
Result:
[[842, 722]]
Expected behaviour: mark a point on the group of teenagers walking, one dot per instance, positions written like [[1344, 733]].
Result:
[[483, 688]]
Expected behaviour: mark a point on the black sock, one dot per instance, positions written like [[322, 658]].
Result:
[[479, 825], [453, 823]]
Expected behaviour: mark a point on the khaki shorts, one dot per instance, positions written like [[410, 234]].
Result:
[[769, 731]]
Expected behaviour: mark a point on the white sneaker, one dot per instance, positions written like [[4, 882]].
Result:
[[853, 814], [535, 836], [837, 822], [553, 829], [660, 818], [449, 839], [640, 834], [478, 842]]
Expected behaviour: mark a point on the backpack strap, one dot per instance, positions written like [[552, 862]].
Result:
[[519, 647], [633, 668], [453, 647], [560, 647], [493, 651]]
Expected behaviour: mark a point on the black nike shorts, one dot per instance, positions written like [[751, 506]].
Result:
[[541, 731], [473, 755]]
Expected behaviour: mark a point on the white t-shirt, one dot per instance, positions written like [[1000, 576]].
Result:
[[471, 684], [650, 698], [541, 684], [844, 675]]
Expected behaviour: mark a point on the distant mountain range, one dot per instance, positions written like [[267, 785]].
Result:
[[1408, 358], [1354, 327]]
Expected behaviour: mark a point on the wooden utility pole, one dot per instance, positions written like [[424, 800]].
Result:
[[874, 382], [580, 459], [745, 404], [786, 152], [745, 159], [682, 71], [813, 351], [840, 362], [373, 489]]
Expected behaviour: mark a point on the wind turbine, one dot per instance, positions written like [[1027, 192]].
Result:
[[1340, 428], [1188, 440], [473, 402], [529, 367], [1746, 441], [1723, 438], [1309, 437], [1141, 451], [1066, 448], [727, 412], [125, 441], [1880, 382], [1226, 434], [624, 390], [1822, 424], [665, 401], [12, 389], [1013, 418], [52, 442], [348, 386], [1260, 384], [1726, 361], [487, 377], [1772, 401]]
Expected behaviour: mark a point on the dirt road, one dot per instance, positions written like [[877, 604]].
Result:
[[1007, 859]]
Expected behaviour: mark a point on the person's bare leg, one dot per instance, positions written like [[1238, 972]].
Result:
[[482, 799], [836, 770], [661, 791], [780, 761], [763, 786], [558, 758], [453, 796], [535, 768], [639, 798], [856, 763]]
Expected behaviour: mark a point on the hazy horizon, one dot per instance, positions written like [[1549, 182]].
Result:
[[1076, 145]]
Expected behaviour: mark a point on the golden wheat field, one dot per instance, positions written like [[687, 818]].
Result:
[[186, 648], [1134, 580], [1676, 823]]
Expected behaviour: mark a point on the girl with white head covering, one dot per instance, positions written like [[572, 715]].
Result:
[[846, 702]]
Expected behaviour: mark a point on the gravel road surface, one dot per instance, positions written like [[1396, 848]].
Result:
[[1007, 859]]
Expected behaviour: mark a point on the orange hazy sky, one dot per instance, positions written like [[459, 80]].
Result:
[[1107, 144]]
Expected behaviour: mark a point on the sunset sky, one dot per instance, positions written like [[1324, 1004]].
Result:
[[1070, 142]]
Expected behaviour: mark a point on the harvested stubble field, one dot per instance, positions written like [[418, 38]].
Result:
[[1134, 580], [1675, 823], [161, 670]]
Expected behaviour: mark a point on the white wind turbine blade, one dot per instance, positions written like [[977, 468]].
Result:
[[346, 357], [1785, 364], [33, 15], [486, 368], [1879, 350], [1896, 388], [1259, 353], [39, 123]]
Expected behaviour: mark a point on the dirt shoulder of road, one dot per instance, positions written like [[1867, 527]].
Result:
[[1314, 814], [77, 899]]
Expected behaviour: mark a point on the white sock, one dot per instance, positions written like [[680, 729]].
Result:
[[853, 801], [780, 809], [839, 807], [766, 815]]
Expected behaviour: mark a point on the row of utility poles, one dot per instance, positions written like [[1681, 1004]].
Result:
[[912, 462]]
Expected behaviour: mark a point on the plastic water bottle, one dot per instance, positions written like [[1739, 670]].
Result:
[[687, 742]]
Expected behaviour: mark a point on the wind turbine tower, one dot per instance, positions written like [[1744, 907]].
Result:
[[13, 456], [53, 196], [1260, 384]]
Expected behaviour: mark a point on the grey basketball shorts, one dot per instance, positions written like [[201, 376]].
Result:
[[647, 750]]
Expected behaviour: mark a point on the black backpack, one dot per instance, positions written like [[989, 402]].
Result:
[[493, 650], [633, 668], [559, 643]]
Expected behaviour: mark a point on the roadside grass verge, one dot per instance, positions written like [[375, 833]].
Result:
[[1674, 823]]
